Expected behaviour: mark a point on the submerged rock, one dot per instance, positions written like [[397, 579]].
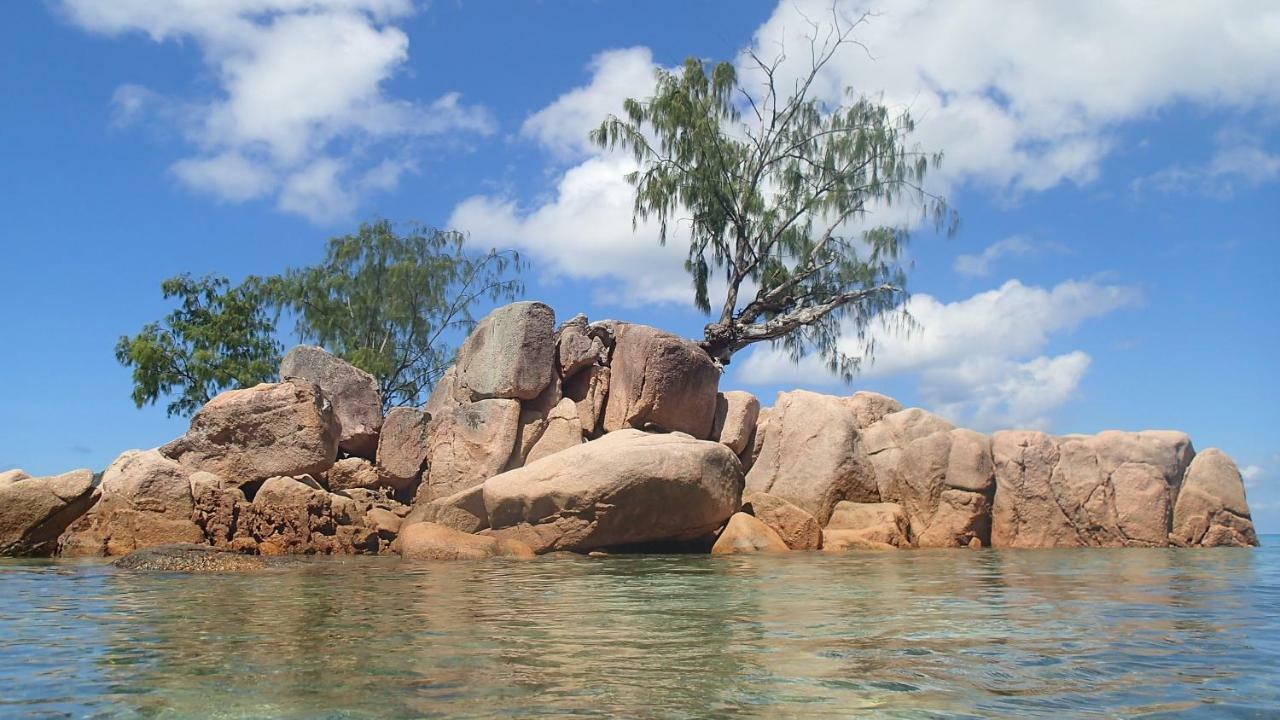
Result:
[[429, 541], [747, 534], [195, 559], [798, 529]]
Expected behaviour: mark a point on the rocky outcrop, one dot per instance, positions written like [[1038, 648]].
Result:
[[797, 528], [468, 445], [942, 476], [628, 487], [1211, 509], [353, 393], [578, 346], [747, 534], [867, 526], [811, 455], [429, 541], [356, 472], [661, 381], [868, 407], [463, 511], [509, 354], [1114, 489], [34, 511], [246, 436], [588, 389], [145, 500], [735, 419]]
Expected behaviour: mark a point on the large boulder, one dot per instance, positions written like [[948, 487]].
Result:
[[562, 430], [509, 354], [429, 541], [1114, 489], [246, 436], [747, 534], [357, 406], [34, 511], [145, 500], [662, 380], [797, 528], [1211, 509], [942, 476], [627, 487], [866, 526], [402, 446], [735, 419], [811, 455], [356, 472], [468, 445], [578, 346]]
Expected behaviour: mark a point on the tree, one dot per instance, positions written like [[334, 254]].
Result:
[[390, 303], [771, 199], [219, 337]]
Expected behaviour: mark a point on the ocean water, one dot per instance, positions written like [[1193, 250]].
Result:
[[924, 634]]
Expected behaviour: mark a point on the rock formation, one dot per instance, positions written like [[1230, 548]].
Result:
[[608, 436]]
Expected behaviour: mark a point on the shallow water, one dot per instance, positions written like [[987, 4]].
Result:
[[1108, 633]]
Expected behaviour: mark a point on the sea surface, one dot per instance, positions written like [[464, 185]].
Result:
[[922, 634]]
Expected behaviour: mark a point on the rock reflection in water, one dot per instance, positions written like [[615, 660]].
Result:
[[910, 634]]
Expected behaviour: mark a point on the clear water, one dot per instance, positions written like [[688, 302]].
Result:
[[1063, 634]]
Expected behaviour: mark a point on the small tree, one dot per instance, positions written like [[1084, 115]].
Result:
[[219, 337], [390, 303], [769, 200]]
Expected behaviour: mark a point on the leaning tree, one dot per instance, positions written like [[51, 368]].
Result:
[[777, 187]]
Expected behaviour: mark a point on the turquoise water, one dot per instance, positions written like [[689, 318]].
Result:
[[1063, 634]]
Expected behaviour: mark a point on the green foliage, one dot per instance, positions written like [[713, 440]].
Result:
[[391, 303], [769, 200], [219, 337]]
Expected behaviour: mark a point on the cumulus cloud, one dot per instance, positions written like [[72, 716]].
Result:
[[979, 360], [1028, 95], [300, 111]]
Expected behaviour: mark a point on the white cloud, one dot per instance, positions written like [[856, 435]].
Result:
[[1027, 95], [980, 265], [1251, 475], [979, 360], [585, 232], [563, 126], [1239, 160], [301, 110]]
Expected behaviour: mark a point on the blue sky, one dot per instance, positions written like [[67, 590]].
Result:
[[1116, 169]]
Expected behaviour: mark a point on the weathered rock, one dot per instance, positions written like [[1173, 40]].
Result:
[[869, 407], [34, 511], [735, 419], [797, 528], [811, 455], [463, 511], [9, 477], [533, 422], [577, 348], [867, 526], [145, 500], [659, 379], [249, 435], [589, 389], [941, 475], [563, 430], [194, 559], [384, 521], [747, 534], [356, 472], [468, 445], [428, 541], [1211, 509], [402, 446], [757, 440], [296, 516], [445, 395], [357, 406], [509, 354], [1109, 490], [627, 487]]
